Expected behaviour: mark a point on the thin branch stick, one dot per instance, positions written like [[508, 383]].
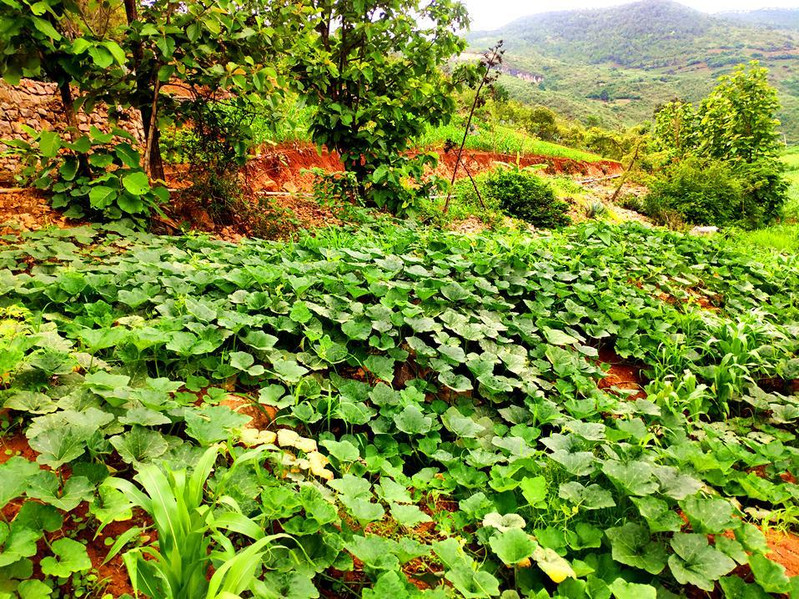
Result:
[[489, 63]]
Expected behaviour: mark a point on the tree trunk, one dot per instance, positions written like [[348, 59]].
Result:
[[143, 101], [69, 108]]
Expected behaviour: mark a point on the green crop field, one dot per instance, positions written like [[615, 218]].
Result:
[[503, 140], [397, 411]]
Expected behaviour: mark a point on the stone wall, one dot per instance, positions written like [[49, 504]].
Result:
[[38, 105]]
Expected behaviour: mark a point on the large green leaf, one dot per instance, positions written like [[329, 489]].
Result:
[[16, 474], [136, 183], [68, 557], [695, 562], [632, 545], [513, 546], [139, 444]]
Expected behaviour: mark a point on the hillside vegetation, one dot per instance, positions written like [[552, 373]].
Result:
[[618, 64]]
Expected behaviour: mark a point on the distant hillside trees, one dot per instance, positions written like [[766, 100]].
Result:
[[734, 131]]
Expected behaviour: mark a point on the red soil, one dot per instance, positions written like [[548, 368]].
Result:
[[621, 376], [784, 550]]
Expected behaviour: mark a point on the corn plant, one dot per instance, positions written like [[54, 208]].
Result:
[[176, 566]]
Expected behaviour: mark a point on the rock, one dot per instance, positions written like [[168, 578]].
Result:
[[703, 231]]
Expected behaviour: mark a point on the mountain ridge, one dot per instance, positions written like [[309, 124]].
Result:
[[616, 65]]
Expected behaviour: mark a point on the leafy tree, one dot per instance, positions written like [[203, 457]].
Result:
[[737, 120], [128, 59], [675, 127], [46, 38], [372, 69], [736, 125]]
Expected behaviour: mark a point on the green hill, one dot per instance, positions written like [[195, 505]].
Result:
[[616, 65], [779, 18]]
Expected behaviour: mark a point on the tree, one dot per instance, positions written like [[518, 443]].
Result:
[[372, 71], [205, 46], [734, 125], [47, 38], [676, 127], [737, 120], [125, 60]]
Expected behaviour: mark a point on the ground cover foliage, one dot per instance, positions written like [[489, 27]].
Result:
[[422, 408]]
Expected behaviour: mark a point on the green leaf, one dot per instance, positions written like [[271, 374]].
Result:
[[592, 497], [15, 474], [380, 366], [34, 589], [622, 589], [636, 478], [16, 543], [130, 203], [58, 446], [140, 444], [101, 56], [695, 562], [287, 585], [31, 402], [241, 360], [412, 421], [408, 515], [734, 587], [68, 557], [101, 196], [632, 545], [47, 488], [136, 183], [513, 546], [344, 451], [558, 337], [39, 517], [289, 370], [456, 382], [709, 515], [768, 574], [212, 424], [658, 515], [534, 491], [357, 329], [49, 143], [46, 28], [300, 313]]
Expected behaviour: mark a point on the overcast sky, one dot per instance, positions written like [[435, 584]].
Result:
[[490, 14]]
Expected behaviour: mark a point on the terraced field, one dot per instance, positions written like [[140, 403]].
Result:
[[395, 411]]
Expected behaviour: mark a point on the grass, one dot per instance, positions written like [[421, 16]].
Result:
[[501, 139], [782, 238], [791, 160]]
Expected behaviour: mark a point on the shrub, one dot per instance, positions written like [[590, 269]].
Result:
[[95, 175], [632, 202], [216, 147], [719, 193], [703, 193], [596, 209], [526, 196], [765, 191]]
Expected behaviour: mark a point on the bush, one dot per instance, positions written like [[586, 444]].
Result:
[[526, 196], [702, 193], [719, 193], [765, 191], [95, 176]]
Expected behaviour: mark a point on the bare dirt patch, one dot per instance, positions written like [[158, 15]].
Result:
[[622, 377], [784, 550]]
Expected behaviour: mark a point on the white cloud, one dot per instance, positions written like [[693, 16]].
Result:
[[490, 14]]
